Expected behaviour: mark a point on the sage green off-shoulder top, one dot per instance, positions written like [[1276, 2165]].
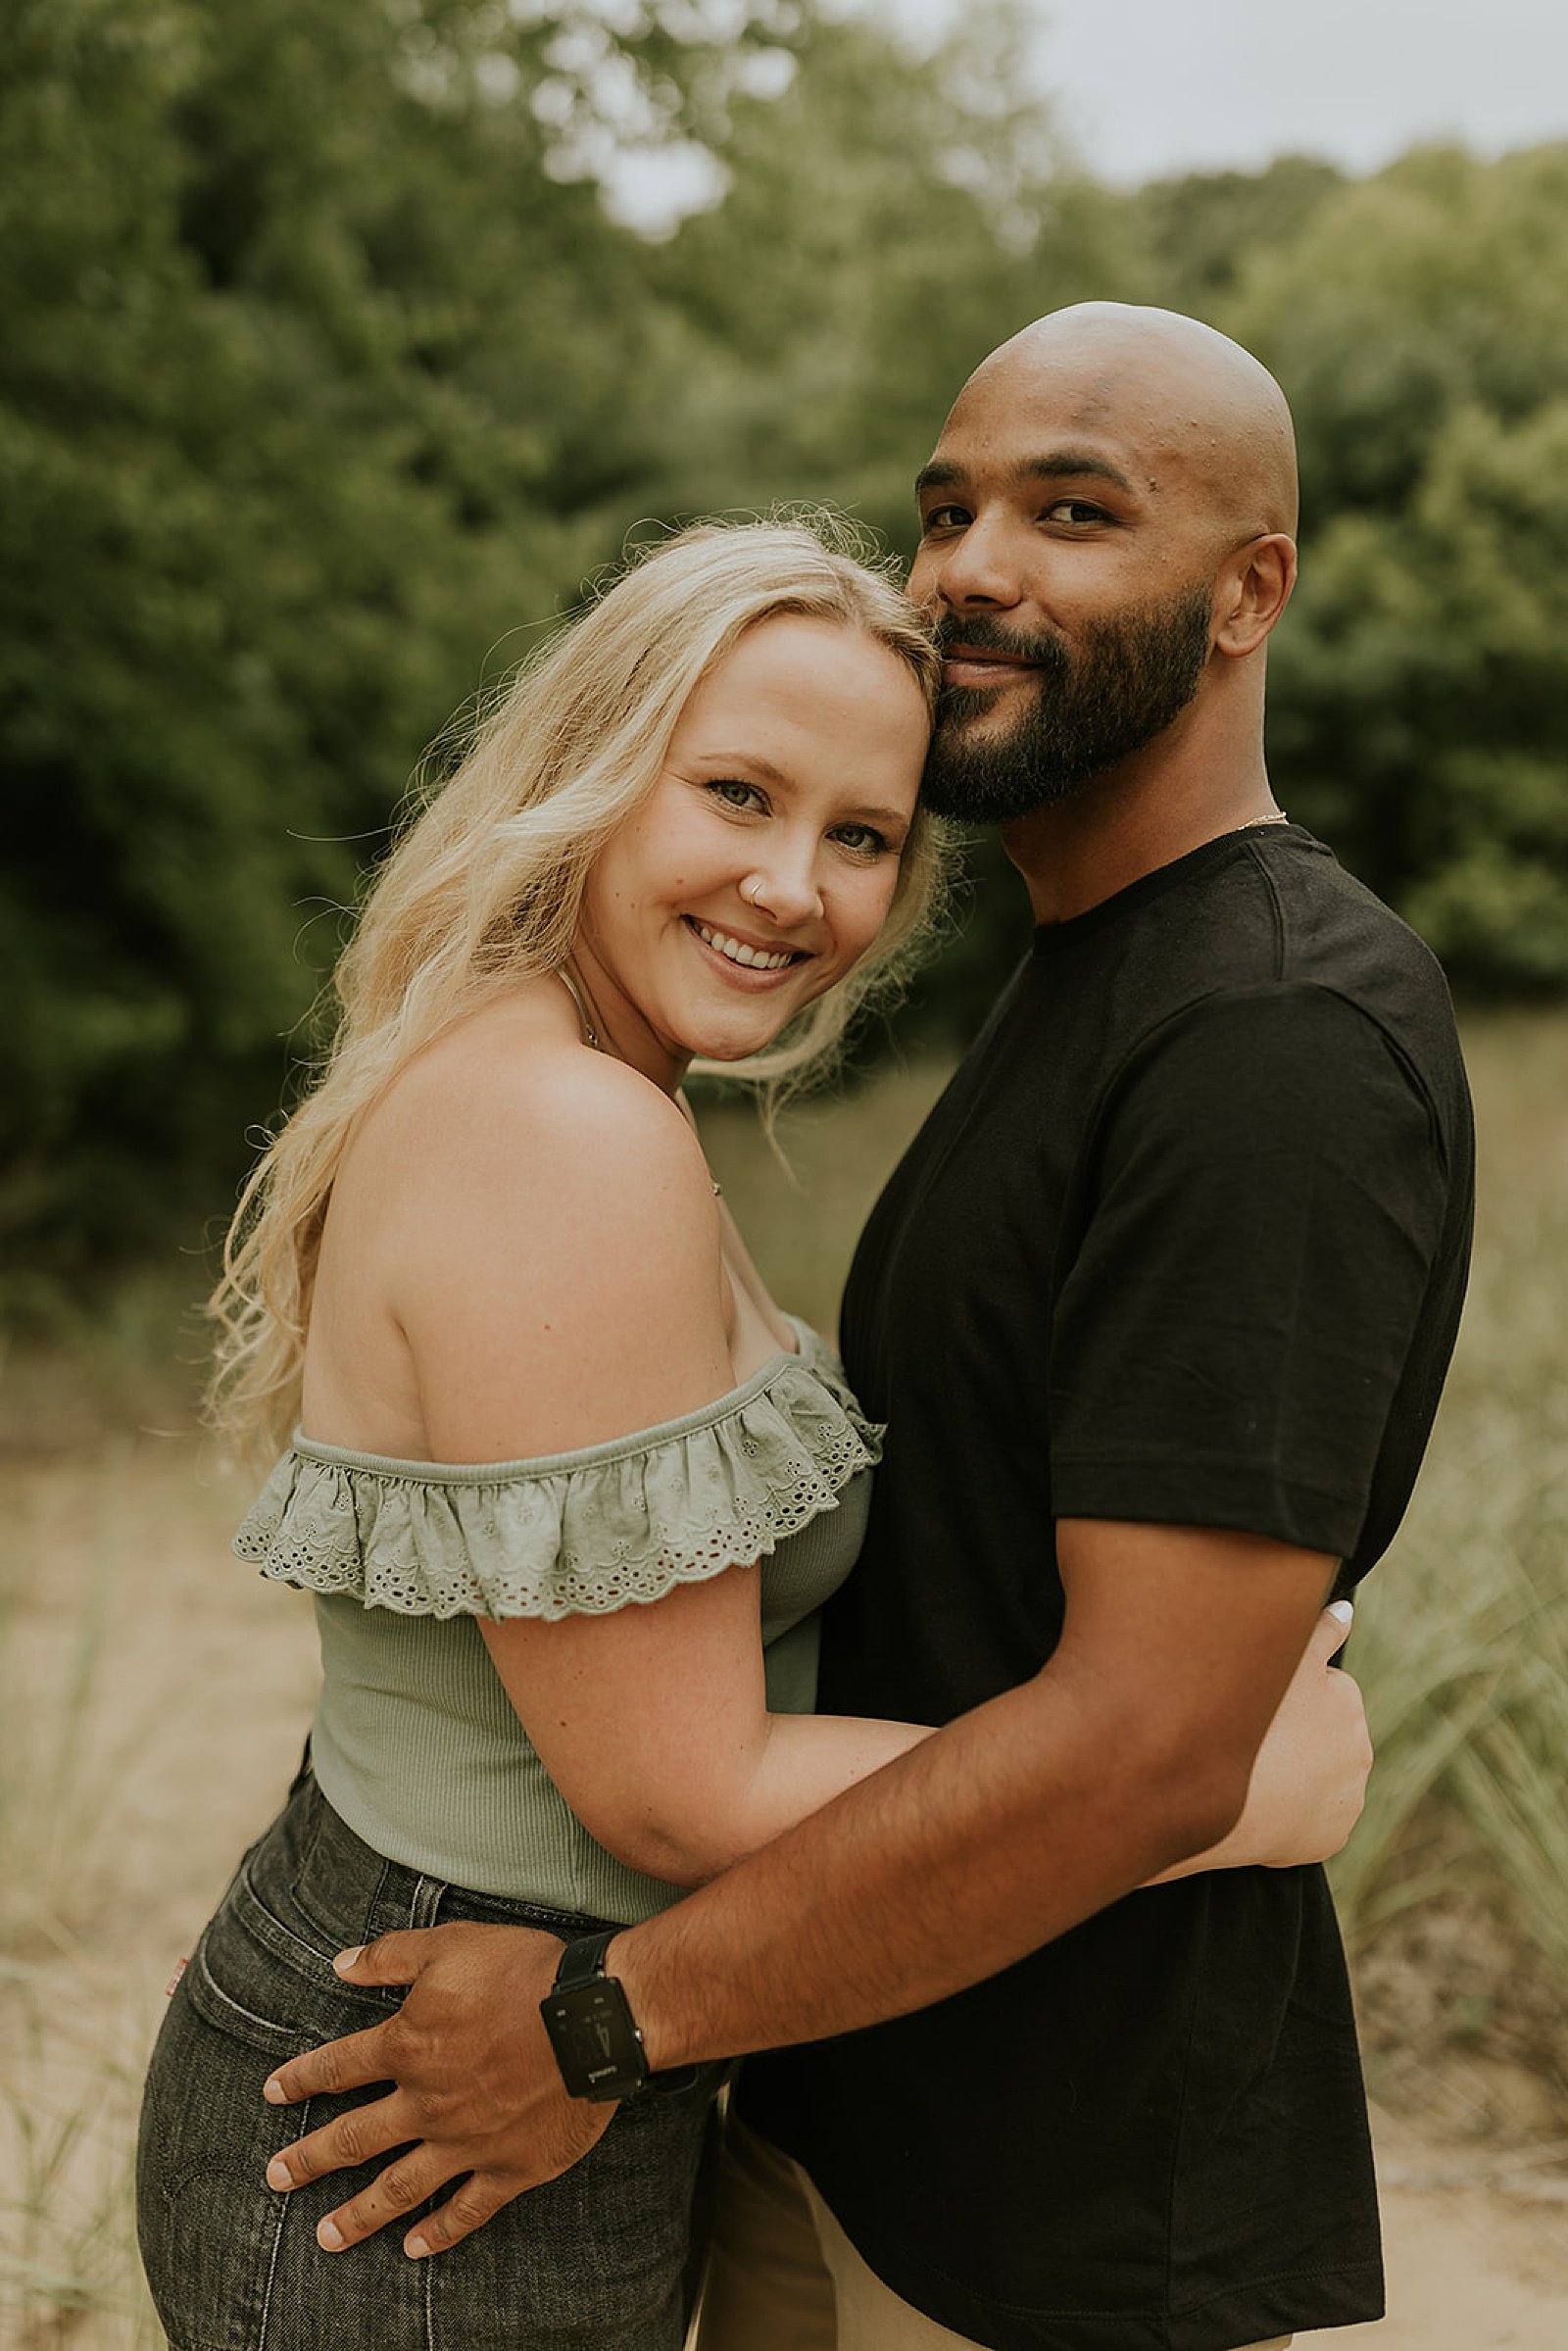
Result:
[[415, 1741]]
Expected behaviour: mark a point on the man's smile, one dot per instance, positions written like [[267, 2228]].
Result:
[[976, 666]]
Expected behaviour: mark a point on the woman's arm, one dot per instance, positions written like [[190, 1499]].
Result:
[[653, 1721]]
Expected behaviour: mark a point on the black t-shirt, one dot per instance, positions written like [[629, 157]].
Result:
[[1185, 1241]]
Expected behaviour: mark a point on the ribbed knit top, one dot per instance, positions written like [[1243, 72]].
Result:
[[416, 1742]]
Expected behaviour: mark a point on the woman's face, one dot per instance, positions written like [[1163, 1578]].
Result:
[[762, 864]]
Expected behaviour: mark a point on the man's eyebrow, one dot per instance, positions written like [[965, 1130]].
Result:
[[1060, 465], [1065, 463], [939, 474]]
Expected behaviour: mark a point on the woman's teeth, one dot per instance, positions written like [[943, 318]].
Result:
[[755, 958]]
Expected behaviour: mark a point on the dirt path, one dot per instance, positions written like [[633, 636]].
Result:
[[1478, 2265]]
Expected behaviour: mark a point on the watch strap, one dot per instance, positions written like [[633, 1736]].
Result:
[[584, 1961], [592, 2030]]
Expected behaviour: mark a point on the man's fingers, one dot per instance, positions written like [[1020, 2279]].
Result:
[[395, 2192], [391, 1958], [350, 2063], [476, 2201], [355, 2137]]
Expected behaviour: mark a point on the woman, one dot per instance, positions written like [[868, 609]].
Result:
[[485, 1249]]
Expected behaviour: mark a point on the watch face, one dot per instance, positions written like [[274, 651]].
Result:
[[599, 2048]]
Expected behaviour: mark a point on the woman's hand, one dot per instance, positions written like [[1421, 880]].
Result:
[[1308, 1783]]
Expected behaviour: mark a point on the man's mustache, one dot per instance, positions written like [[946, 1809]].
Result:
[[982, 635]]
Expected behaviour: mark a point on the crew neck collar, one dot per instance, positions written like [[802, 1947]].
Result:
[[1054, 938]]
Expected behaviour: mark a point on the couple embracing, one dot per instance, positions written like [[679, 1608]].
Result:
[[954, 1724]]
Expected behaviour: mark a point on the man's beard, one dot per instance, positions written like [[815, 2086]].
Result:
[[1127, 679]]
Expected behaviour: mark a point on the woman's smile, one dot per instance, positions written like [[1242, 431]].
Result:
[[749, 956]]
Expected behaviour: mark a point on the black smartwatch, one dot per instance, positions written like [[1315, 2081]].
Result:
[[592, 2030]]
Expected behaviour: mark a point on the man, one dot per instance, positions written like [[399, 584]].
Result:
[[1157, 1308]]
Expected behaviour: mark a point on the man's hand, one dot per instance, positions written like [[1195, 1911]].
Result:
[[475, 2086]]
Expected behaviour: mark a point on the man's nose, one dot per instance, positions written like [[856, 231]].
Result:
[[979, 570]]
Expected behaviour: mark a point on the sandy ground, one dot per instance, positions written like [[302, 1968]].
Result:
[[1477, 2248], [154, 1697]]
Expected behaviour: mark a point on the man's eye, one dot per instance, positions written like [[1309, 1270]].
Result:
[[1075, 510], [945, 517]]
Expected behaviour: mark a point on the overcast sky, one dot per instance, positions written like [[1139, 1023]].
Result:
[[1149, 87], [1146, 87]]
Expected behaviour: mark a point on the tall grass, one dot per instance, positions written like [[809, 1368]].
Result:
[[115, 1609], [69, 2272], [1461, 1640], [73, 2029]]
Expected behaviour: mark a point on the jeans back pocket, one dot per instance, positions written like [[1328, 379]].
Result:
[[254, 1978]]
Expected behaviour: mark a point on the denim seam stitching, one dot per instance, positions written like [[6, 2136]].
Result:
[[277, 2237]]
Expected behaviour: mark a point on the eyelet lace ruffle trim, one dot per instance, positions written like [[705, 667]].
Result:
[[579, 1534]]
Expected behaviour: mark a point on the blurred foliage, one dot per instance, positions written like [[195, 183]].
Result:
[[1419, 698], [328, 377]]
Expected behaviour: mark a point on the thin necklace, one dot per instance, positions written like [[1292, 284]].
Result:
[[579, 997], [577, 989]]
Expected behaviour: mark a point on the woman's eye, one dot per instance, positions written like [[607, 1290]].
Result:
[[734, 792], [864, 840]]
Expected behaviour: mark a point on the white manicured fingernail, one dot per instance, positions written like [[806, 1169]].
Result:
[[1343, 1609]]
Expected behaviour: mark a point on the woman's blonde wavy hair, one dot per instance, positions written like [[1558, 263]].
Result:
[[483, 887]]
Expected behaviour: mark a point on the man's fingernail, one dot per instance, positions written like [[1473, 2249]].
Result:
[[347, 1959], [1343, 1609], [277, 2174], [272, 2093], [417, 2247], [329, 2236]]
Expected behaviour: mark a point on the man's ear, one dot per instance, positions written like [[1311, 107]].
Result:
[[1255, 588]]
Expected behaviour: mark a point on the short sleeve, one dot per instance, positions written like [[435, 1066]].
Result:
[[580, 1533], [1266, 1200]]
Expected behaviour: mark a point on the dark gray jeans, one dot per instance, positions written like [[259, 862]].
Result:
[[599, 2260]]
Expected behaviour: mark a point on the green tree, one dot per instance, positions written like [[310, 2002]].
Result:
[[890, 216], [1419, 323], [313, 391], [1421, 700], [1203, 228]]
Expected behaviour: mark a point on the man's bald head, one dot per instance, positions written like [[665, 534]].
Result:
[[1197, 411], [1105, 541]]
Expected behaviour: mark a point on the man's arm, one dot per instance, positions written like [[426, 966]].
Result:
[[1128, 1752]]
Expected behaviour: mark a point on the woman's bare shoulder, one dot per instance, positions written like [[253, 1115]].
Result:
[[547, 1239], [513, 1091]]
